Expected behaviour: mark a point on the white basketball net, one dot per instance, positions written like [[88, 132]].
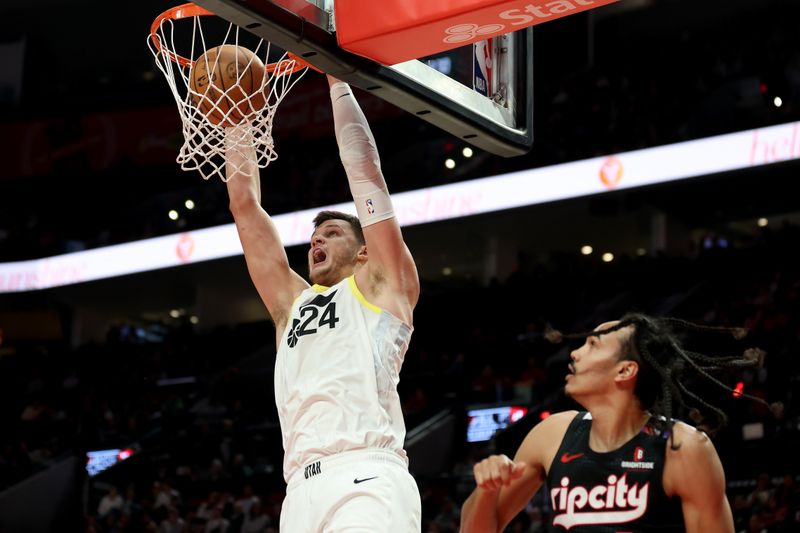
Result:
[[205, 144]]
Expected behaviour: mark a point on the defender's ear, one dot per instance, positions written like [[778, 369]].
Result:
[[627, 371]]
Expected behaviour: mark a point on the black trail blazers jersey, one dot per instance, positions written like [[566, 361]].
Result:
[[619, 491]]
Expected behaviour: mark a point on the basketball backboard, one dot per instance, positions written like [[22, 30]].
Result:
[[449, 89]]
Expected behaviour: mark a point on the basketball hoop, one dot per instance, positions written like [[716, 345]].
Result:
[[233, 107]]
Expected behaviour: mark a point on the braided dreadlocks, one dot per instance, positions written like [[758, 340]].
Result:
[[664, 365]]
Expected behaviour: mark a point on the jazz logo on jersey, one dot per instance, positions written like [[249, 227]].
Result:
[[321, 306], [613, 503]]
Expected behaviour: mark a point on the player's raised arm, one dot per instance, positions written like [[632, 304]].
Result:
[[277, 284], [390, 279]]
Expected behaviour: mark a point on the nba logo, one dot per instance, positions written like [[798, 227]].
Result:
[[638, 454], [482, 67], [370, 207]]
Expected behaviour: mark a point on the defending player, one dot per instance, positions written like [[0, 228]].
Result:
[[624, 464]]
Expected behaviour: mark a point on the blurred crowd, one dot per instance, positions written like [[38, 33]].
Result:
[[196, 408]]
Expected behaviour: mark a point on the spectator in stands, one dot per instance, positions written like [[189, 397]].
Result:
[[217, 523], [256, 521], [786, 497], [173, 523], [206, 509], [248, 499], [165, 495], [109, 502], [760, 496]]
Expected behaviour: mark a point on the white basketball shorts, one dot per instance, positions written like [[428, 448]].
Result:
[[364, 491]]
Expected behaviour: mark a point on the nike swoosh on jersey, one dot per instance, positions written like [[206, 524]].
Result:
[[566, 458], [357, 481]]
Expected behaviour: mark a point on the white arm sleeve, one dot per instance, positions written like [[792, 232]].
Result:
[[240, 153], [360, 157]]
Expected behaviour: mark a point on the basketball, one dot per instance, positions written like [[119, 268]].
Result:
[[226, 84]]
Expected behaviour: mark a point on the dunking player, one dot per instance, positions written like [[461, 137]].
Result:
[[619, 466], [340, 343]]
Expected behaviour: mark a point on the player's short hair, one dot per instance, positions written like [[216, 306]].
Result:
[[324, 216]]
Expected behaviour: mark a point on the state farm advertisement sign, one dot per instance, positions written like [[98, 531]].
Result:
[[391, 32]]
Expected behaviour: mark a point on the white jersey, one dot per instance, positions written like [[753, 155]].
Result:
[[336, 376]]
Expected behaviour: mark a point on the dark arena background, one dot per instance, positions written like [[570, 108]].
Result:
[[153, 382]]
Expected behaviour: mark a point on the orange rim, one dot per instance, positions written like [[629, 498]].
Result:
[[286, 66]]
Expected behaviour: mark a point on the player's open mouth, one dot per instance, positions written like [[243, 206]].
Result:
[[571, 368], [318, 256]]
